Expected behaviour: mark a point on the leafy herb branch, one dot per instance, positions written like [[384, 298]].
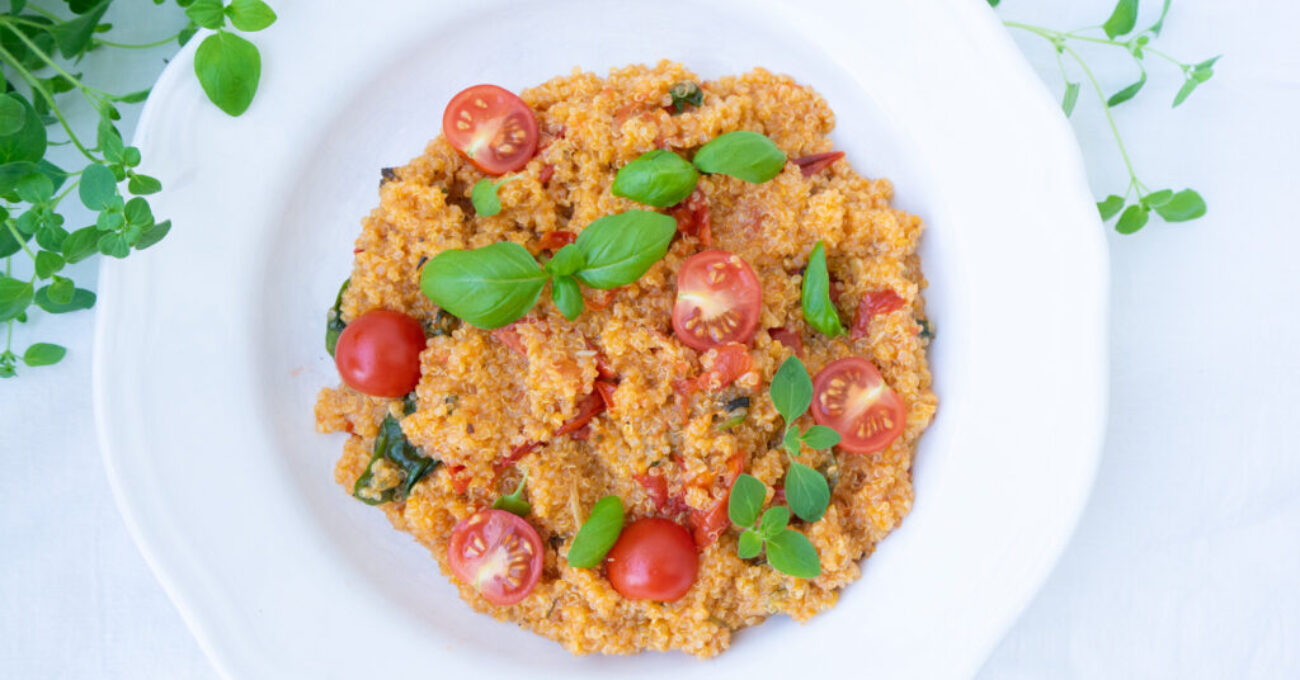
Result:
[[1135, 205], [39, 50], [805, 488]]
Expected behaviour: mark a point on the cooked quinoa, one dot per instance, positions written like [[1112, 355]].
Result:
[[478, 400]]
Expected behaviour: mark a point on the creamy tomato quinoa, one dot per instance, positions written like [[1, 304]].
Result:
[[659, 392]]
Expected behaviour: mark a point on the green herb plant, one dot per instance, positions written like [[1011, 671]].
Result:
[[818, 309], [514, 503], [401, 466], [1138, 201], [495, 285], [684, 94], [598, 534], [805, 488], [788, 551], [484, 195], [40, 50]]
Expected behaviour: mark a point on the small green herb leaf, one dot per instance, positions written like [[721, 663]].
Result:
[[228, 68], [1070, 99], [618, 249], [515, 503], [747, 496], [1128, 92], [73, 37], [143, 185], [686, 93], [567, 296], [1182, 206], [749, 544], [1157, 198], [820, 437], [1110, 207], [790, 552], [15, 296], [392, 447], [567, 261], [153, 234], [484, 197], [807, 492], [206, 13], [774, 521], [334, 324], [250, 15], [659, 178], [598, 534], [1160, 23], [1122, 19], [98, 187], [1134, 218], [791, 440], [818, 309], [13, 115], [61, 297], [43, 354], [743, 154], [488, 287], [48, 264], [791, 389]]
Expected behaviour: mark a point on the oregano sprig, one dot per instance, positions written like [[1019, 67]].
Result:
[[1135, 205], [788, 551], [791, 392]]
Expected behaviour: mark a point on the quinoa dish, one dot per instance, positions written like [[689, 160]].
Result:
[[640, 359]]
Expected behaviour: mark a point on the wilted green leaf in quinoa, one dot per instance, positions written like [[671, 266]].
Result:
[[334, 324], [392, 449]]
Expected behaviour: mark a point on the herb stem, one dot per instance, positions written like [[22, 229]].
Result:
[[19, 238], [72, 80], [1166, 57], [139, 46], [36, 86], [1110, 117]]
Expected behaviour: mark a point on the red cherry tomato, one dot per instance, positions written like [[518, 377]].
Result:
[[850, 396], [719, 300], [498, 553], [378, 353], [491, 127], [653, 559]]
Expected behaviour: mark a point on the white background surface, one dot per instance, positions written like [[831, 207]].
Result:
[[1187, 561]]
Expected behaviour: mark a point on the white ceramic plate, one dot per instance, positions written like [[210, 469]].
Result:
[[209, 347]]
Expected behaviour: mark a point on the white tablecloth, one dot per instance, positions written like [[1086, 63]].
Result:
[[1187, 560]]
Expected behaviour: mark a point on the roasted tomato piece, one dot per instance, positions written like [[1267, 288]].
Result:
[[719, 300], [378, 353], [491, 127], [791, 339], [498, 553], [815, 163], [873, 303], [692, 217], [851, 397]]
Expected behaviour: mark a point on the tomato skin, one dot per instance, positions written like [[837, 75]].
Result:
[[589, 407], [708, 523], [554, 240], [851, 397], [791, 339], [491, 127], [498, 553], [378, 353], [692, 217], [873, 303], [719, 300], [653, 559], [656, 487], [815, 163]]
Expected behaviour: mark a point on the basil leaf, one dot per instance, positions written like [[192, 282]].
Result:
[[807, 492], [567, 296], [774, 520], [334, 320], [1182, 206], [747, 496], [790, 552], [598, 534], [791, 389], [489, 287], [818, 310], [659, 178], [620, 248], [567, 260], [228, 68], [392, 447], [43, 354], [820, 437], [686, 93], [749, 544], [744, 155]]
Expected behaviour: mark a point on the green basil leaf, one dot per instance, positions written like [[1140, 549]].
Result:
[[250, 15], [15, 296], [749, 544], [1122, 19], [790, 552], [153, 234], [515, 503], [61, 297], [820, 437], [807, 492], [334, 324], [1128, 92], [747, 496], [228, 68], [1182, 206], [818, 310], [567, 296], [659, 178], [598, 534], [1134, 218], [791, 389], [43, 354], [1110, 207], [206, 13], [489, 287], [566, 262], [620, 248], [774, 521], [392, 447], [744, 155], [686, 93]]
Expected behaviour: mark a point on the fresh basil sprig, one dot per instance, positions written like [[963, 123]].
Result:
[[334, 319], [743, 154], [392, 447], [792, 393], [484, 195], [598, 534], [515, 503], [818, 309], [788, 551], [659, 178]]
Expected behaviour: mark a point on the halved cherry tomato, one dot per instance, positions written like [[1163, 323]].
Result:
[[378, 353], [873, 303], [850, 396], [723, 365], [491, 127], [498, 553], [653, 559], [719, 300]]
